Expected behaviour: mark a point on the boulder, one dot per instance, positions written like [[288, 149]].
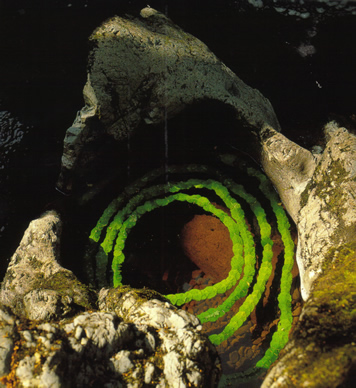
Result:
[[144, 71], [35, 278], [318, 192], [52, 335], [321, 351]]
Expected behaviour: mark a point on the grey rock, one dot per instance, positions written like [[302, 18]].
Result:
[[149, 372], [321, 351], [46, 304], [131, 331], [185, 351], [143, 71], [122, 361], [7, 339], [153, 312], [100, 348], [317, 190], [46, 341], [12, 132], [35, 285], [174, 370]]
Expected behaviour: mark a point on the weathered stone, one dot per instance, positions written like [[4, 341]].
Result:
[[48, 344], [322, 349], [144, 71], [7, 339], [46, 304], [34, 275], [185, 351], [318, 192], [130, 306], [100, 348], [147, 70]]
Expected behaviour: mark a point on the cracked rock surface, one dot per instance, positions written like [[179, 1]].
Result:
[[143, 71], [135, 337], [319, 192]]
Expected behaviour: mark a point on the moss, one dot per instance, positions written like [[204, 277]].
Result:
[[335, 304], [143, 198], [19, 352], [304, 197], [330, 369], [113, 299], [323, 186], [337, 301], [326, 335], [11, 380], [65, 283], [321, 368]]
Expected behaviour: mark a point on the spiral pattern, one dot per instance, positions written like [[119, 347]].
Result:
[[140, 198]]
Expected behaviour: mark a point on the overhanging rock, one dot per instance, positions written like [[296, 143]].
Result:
[[146, 70]]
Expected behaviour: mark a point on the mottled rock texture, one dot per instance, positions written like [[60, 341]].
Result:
[[134, 338], [321, 351], [318, 192], [35, 278], [143, 71]]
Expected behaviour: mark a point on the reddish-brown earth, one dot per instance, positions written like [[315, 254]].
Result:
[[206, 241]]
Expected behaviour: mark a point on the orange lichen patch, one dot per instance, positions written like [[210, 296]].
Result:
[[206, 241], [11, 380]]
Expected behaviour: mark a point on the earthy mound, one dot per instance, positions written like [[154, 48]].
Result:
[[206, 241]]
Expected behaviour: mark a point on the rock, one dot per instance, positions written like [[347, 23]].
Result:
[[12, 132], [46, 304], [146, 70], [134, 78], [129, 305], [185, 351], [158, 87], [136, 337], [35, 284], [317, 192], [7, 338], [101, 348], [302, 10], [322, 351]]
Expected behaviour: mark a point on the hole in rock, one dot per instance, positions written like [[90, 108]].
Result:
[[180, 247]]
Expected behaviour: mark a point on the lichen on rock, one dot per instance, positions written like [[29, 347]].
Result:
[[35, 276], [322, 350], [47, 340], [146, 70]]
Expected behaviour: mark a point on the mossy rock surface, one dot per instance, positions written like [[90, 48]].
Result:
[[322, 349]]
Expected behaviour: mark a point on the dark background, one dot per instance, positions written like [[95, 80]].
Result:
[[43, 52]]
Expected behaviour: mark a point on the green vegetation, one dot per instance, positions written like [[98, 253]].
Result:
[[142, 197], [326, 334]]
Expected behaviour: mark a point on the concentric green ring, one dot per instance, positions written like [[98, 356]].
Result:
[[141, 200]]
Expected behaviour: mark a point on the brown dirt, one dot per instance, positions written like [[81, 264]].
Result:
[[248, 344], [206, 241]]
